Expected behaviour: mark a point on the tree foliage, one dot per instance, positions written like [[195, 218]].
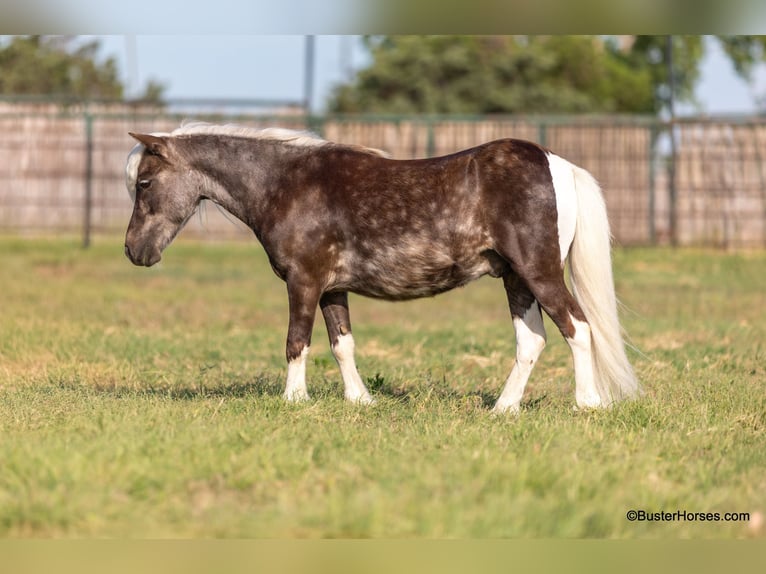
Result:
[[744, 52], [530, 74], [57, 66]]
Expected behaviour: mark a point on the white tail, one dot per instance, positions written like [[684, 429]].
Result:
[[590, 264]]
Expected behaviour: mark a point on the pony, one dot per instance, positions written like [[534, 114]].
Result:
[[336, 218]]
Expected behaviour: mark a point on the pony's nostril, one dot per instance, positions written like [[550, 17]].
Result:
[[130, 255]]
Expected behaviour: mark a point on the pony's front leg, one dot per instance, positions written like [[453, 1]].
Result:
[[335, 311], [303, 303]]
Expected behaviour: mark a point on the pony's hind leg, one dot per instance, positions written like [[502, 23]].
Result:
[[563, 309], [530, 342], [335, 311]]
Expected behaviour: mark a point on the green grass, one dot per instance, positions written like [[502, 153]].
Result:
[[146, 403]]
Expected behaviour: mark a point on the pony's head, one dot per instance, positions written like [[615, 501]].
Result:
[[165, 192]]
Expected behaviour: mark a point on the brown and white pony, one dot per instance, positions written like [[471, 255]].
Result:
[[336, 218]]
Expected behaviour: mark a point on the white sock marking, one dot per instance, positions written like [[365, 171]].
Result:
[[343, 351], [530, 342], [586, 394], [295, 389]]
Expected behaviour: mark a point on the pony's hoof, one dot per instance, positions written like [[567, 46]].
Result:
[[296, 397], [588, 407], [588, 401], [500, 409], [365, 400]]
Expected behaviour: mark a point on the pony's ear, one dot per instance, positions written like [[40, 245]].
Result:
[[155, 145]]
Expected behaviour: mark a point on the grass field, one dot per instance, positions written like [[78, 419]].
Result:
[[146, 403]]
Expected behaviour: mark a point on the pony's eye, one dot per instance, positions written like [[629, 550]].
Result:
[[145, 183]]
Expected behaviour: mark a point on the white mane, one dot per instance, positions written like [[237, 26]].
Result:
[[292, 137], [131, 170]]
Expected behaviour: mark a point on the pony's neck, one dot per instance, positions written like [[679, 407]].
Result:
[[237, 177]]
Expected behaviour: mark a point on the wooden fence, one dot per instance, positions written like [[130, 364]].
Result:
[[617, 153], [63, 172], [721, 183]]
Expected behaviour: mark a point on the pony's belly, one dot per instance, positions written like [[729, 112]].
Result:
[[411, 279]]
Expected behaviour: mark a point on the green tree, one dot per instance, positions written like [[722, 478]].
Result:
[[516, 74], [58, 66]]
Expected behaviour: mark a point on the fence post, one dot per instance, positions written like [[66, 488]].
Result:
[[653, 135], [431, 142], [542, 133], [672, 187], [88, 207], [316, 124], [761, 179]]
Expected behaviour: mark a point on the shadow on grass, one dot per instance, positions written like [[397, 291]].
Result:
[[486, 399], [260, 386], [264, 385]]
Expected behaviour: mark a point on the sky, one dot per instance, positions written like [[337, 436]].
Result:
[[271, 67], [263, 67]]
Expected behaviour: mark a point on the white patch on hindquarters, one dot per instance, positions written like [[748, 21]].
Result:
[[566, 201], [355, 391], [295, 389]]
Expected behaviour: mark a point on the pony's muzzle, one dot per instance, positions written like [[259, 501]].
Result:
[[145, 258]]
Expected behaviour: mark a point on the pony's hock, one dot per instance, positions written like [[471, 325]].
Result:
[[337, 218]]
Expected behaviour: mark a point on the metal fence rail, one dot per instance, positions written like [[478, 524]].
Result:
[[63, 171]]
